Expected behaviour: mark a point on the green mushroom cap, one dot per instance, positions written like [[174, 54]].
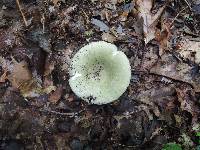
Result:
[[99, 73]]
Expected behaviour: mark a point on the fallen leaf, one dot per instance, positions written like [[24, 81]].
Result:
[[189, 49], [48, 79], [7, 39], [124, 16], [126, 10], [21, 77], [186, 98], [56, 95], [55, 2], [186, 141], [70, 98], [149, 20], [163, 36], [100, 24], [108, 37], [20, 74], [3, 77], [169, 66], [106, 15], [49, 89], [49, 67], [162, 97], [178, 120], [150, 57], [31, 89], [196, 9], [70, 9]]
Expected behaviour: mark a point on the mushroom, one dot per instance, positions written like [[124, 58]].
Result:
[[99, 73]]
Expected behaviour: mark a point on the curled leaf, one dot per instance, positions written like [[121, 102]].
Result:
[[149, 20]]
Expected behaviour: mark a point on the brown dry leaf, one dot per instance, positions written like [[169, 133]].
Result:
[[186, 97], [163, 36], [124, 16], [189, 49], [21, 78], [20, 74], [162, 97], [149, 58], [178, 120], [56, 95], [48, 81], [108, 37], [146, 109], [3, 77], [170, 67], [49, 67], [69, 9], [66, 57], [60, 141], [149, 20], [6, 64], [55, 2], [70, 98], [7, 39], [31, 89], [106, 15]]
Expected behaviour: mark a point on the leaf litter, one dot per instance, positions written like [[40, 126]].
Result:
[[160, 106], [149, 20]]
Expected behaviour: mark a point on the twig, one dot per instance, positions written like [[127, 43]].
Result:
[[59, 113], [171, 24], [72, 114], [43, 23], [23, 16], [188, 5], [171, 78]]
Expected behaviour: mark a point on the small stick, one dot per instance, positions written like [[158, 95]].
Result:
[[23, 16], [72, 114], [188, 5], [43, 23], [171, 24]]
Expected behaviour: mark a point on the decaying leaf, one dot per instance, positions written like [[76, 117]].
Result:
[[21, 78], [170, 67], [161, 104], [108, 37], [3, 77], [56, 95], [149, 20], [55, 2], [20, 74], [100, 24], [162, 97], [189, 49], [186, 98], [49, 67], [163, 37], [149, 58], [187, 141], [66, 58], [7, 39]]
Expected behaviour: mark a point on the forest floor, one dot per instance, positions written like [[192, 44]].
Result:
[[159, 110]]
